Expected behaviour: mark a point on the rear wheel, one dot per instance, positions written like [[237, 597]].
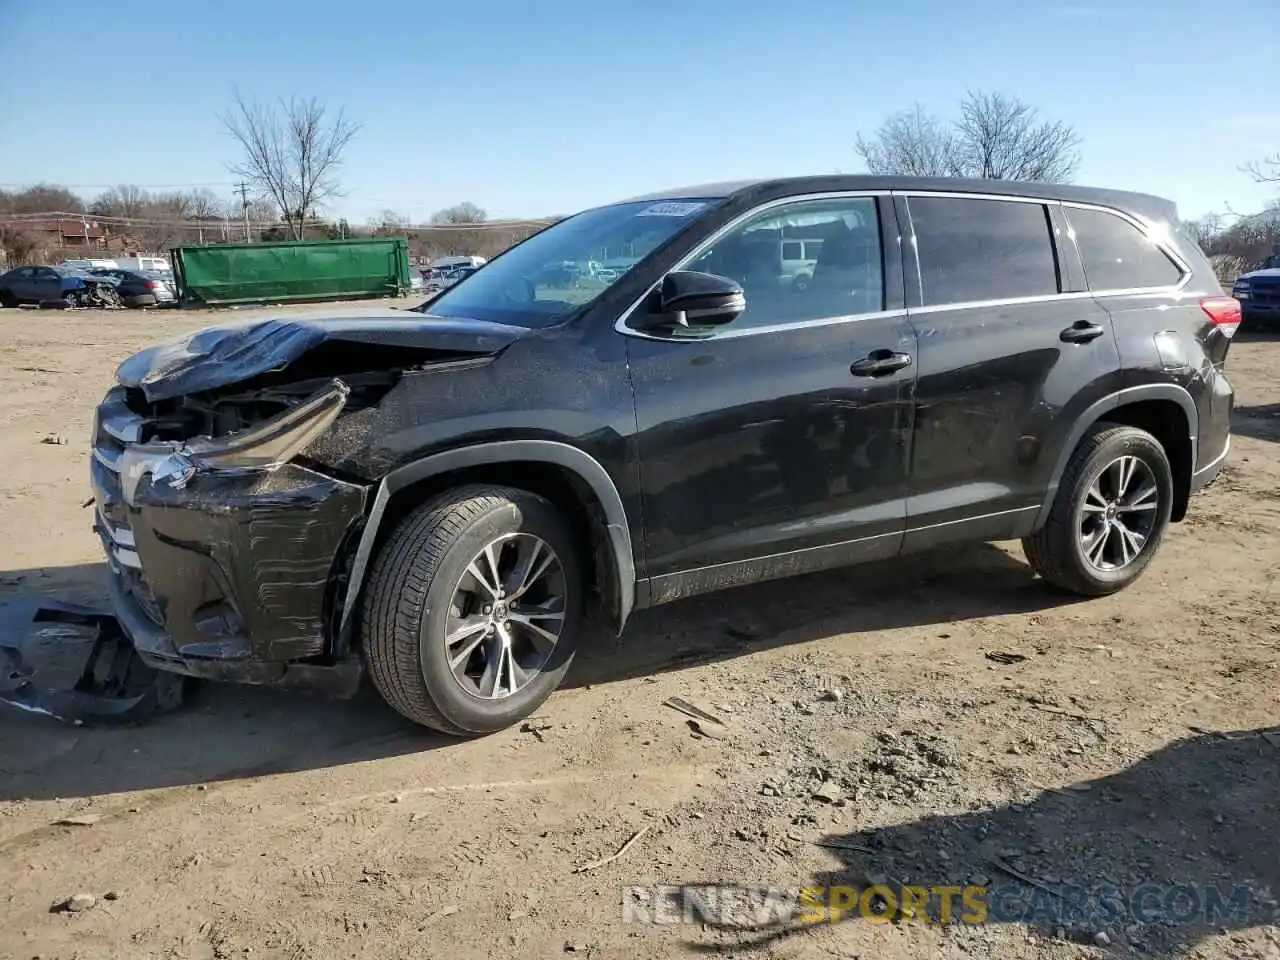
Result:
[[1109, 515], [474, 609]]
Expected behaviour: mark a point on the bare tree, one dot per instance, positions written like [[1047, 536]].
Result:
[[465, 212], [910, 143], [126, 201], [18, 243], [204, 204], [293, 153], [43, 198], [996, 137], [389, 220], [1266, 170], [1002, 138]]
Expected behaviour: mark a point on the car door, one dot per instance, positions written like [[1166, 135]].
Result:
[[1011, 349], [21, 283], [779, 443], [47, 284]]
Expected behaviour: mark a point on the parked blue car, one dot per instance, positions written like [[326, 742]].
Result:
[[45, 284], [1259, 294]]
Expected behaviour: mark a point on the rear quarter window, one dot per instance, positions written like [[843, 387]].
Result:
[[1117, 255], [973, 249]]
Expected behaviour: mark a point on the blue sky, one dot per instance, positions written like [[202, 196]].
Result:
[[538, 107]]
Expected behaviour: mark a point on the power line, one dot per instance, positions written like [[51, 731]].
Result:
[[109, 186], [183, 222]]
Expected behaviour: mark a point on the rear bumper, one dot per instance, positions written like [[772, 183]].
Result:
[[231, 577], [141, 300], [1211, 471]]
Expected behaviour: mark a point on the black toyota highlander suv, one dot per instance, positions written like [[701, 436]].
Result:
[[445, 496]]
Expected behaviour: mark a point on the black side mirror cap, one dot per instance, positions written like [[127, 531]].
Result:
[[688, 298]]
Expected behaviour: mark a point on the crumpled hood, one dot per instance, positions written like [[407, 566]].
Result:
[[1272, 273], [222, 355]]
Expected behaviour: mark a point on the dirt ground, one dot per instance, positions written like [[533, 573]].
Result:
[[875, 733]]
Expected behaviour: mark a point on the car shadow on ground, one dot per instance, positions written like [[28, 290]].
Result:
[[1262, 422], [230, 731], [1176, 848], [945, 586]]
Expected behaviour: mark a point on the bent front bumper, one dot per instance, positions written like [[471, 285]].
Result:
[[224, 575]]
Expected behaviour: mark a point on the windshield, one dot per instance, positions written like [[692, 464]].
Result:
[[559, 271]]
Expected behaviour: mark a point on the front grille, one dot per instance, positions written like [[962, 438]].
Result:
[[116, 428], [1267, 294]]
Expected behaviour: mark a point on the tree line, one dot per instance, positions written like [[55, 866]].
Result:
[[292, 154]]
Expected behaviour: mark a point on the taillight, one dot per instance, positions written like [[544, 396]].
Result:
[[153, 285], [1223, 312]]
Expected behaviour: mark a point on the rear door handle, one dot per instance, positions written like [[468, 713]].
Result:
[[1082, 331], [879, 363]]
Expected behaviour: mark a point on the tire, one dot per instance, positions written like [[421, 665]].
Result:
[[7, 299], [420, 585], [1059, 551]]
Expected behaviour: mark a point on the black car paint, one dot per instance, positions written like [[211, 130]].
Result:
[[714, 462], [235, 353]]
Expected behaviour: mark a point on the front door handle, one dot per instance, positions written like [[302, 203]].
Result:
[[879, 363], [1082, 331]]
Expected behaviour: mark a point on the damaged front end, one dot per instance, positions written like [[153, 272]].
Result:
[[227, 496], [221, 549]]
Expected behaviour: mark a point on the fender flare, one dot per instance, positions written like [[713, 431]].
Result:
[[1097, 411], [564, 455]]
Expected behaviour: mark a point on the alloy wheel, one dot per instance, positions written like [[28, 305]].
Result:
[[505, 616], [1119, 514]]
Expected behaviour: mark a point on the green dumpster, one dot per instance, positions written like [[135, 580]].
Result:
[[229, 273]]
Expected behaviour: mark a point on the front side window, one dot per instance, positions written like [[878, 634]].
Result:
[[973, 249], [846, 279], [1117, 255], [554, 274]]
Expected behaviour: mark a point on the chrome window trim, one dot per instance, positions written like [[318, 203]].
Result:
[[1142, 224], [961, 195], [1054, 298], [730, 334], [906, 196], [1146, 227], [620, 325]]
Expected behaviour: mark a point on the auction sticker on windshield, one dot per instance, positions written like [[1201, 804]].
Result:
[[671, 208]]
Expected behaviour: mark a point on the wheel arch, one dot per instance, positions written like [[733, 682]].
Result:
[[1164, 410], [564, 474]]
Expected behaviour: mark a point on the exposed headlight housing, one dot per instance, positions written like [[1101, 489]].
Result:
[[264, 447], [275, 442]]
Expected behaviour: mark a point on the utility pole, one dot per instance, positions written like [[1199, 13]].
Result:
[[243, 190]]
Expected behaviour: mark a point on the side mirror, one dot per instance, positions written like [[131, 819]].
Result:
[[690, 299]]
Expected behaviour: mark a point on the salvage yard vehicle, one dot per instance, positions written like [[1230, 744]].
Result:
[[1259, 294], [61, 286], [139, 289], [446, 500]]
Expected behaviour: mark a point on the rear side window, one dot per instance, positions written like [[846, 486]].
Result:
[[1117, 255], [973, 250]]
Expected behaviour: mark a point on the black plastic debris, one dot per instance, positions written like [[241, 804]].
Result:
[[114, 685]]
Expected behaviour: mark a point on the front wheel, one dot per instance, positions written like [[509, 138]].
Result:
[[1109, 515], [474, 609]]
